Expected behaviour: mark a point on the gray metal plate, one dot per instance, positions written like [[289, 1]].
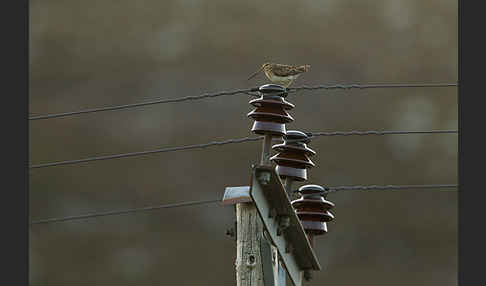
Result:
[[273, 205], [235, 195]]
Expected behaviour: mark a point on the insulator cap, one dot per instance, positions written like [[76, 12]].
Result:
[[270, 114], [293, 155], [313, 209], [272, 88], [315, 191], [297, 135]]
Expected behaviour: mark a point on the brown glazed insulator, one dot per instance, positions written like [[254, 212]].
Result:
[[293, 155], [313, 210], [270, 114]]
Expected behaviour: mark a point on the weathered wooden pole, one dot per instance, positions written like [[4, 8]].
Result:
[[270, 117], [248, 257]]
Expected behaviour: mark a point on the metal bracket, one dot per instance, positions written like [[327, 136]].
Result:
[[267, 261], [273, 270], [282, 224], [281, 275]]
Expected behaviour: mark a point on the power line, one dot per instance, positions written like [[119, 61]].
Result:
[[159, 101], [230, 141], [135, 210], [390, 187], [368, 86], [234, 92], [194, 203], [373, 132], [141, 153]]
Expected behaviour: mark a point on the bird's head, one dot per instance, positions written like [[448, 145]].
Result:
[[264, 67]]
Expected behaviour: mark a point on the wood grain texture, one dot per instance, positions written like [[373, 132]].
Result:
[[249, 271]]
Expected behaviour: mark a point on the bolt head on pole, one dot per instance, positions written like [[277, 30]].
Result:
[[264, 178]]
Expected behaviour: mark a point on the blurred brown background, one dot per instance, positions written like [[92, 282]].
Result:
[[86, 54]]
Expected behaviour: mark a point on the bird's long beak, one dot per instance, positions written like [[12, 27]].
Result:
[[253, 75]]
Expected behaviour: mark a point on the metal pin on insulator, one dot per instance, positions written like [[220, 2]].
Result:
[[293, 156], [313, 210], [271, 114]]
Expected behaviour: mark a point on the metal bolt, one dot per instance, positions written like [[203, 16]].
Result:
[[307, 275], [230, 232], [283, 223], [264, 178], [289, 248], [251, 261], [272, 213]]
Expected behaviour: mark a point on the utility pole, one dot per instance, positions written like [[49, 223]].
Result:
[[270, 117], [273, 233], [249, 232], [248, 257]]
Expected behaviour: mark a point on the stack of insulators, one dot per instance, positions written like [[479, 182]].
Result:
[[270, 114], [293, 155], [313, 210]]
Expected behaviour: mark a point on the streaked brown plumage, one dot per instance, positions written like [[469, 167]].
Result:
[[281, 74]]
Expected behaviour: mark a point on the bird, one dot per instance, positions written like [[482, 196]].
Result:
[[281, 74]]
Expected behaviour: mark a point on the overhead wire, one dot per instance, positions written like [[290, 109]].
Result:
[[126, 211], [229, 141], [368, 86], [141, 153], [133, 105], [247, 91], [210, 201], [391, 187]]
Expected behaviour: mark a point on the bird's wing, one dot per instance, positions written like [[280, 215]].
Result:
[[285, 70]]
